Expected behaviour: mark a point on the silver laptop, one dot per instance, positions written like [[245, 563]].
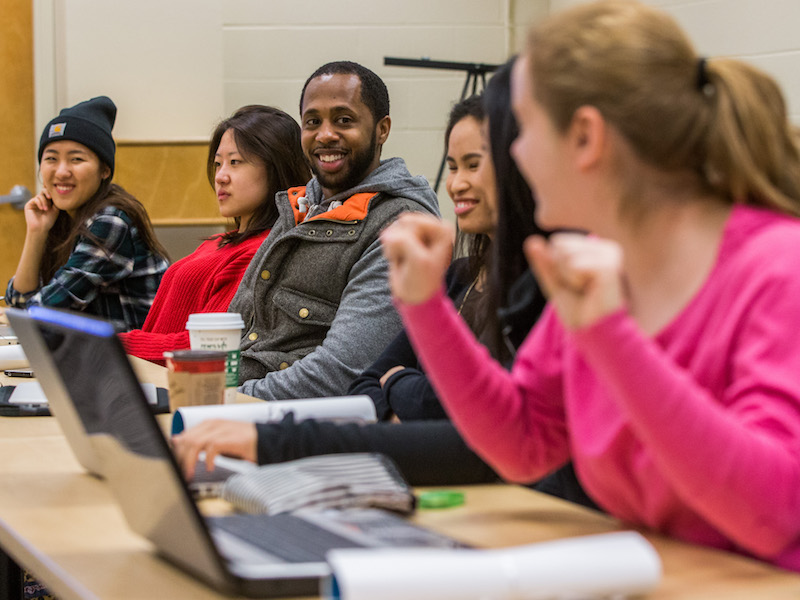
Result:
[[254, 555], [57, 395], [63, 394], [7, 336]]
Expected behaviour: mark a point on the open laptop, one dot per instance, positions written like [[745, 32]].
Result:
[[38, 355], [254, 555], [63, 393], [7, 336]]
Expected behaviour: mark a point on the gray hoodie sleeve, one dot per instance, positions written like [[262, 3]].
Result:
[[364, 324]]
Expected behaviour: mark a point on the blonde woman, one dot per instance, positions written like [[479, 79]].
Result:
[[666, 367]]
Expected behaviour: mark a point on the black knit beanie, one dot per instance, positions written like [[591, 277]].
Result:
[[88, 123]]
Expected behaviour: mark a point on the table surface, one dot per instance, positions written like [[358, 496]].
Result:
[[64, 526]]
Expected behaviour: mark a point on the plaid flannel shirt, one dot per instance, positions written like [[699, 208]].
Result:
[[115, 277]]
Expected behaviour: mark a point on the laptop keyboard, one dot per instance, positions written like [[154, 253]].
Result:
[[284, 535]]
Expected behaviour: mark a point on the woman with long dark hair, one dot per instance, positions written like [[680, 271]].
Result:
[[395, 381], [253, 154], [89, 244]]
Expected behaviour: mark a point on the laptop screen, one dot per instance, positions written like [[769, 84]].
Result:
[[136, 459]]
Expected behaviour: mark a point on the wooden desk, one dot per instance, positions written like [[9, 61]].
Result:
[[64, 526]]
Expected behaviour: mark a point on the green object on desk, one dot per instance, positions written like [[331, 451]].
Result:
[[440, 499]]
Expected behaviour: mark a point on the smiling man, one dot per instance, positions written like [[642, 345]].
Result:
[[315, 299]]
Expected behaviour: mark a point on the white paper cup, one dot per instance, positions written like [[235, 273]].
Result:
[[219, 331]]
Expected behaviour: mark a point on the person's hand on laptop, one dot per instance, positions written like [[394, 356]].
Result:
[[214, 437]]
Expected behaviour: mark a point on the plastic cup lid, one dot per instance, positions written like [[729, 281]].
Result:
[[200, 321]]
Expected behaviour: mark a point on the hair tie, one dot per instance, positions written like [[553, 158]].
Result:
[[703, 83]]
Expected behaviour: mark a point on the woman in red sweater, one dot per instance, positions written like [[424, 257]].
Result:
[[252, 155]]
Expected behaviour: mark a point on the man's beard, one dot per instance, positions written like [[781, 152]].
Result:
[[359, 167]]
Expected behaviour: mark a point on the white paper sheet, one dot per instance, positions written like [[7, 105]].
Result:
[[344, 408], [613, 564]]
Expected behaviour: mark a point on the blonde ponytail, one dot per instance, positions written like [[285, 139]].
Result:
[[721, 119], [751, 150]]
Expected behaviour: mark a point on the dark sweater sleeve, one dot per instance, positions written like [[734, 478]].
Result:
[[408, 393], [411, 396], [398, 352], [427, 452]]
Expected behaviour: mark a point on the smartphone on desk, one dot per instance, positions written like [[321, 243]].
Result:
[[18, 373]]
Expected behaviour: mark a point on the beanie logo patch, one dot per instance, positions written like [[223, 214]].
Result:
[[57, 130]]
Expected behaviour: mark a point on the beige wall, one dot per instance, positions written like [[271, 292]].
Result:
[[160, 61], [175, 68], [294, 38], [762, 32]]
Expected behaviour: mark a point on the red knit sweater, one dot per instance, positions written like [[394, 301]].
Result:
[[205, 281]]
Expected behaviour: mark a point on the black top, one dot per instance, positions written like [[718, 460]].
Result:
[[426, 452], [426, 446], [408, 393]]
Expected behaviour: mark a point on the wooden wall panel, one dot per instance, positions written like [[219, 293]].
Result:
[[17, 151], [169, 179]]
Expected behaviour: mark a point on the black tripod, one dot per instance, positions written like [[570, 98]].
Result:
[[475, 72]]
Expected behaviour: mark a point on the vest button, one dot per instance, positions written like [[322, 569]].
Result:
[[265, 274], [252, 337], [283, 365], [329, 233], [351, 232], [312, 232], [303, 312]]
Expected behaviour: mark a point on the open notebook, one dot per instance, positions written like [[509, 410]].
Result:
[[256, 555]]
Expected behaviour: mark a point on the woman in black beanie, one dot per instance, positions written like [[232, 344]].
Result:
[[89, 244]]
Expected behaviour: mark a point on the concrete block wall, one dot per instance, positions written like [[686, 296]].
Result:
[[160, 62], [269, 48], [175, 68]]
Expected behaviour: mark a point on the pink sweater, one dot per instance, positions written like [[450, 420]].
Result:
[[204, 281], [694, 433]]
